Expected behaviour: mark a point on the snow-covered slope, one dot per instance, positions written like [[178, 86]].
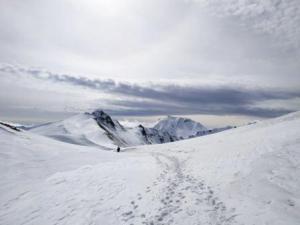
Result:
[[81, 129], [249, 175], [180, 128], [98, 128]]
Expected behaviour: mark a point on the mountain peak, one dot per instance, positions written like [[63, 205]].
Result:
[[103, 118], [179, 127], [99, 113]]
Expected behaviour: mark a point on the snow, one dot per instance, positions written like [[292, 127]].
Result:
[[81, 129], [181, 128], [97, 129], [248, 175]]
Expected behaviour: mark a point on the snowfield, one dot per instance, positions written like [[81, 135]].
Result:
[[249, 175]]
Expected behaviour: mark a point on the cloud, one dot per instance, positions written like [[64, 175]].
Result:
[[157, 99], [277, 18], [172, 39], [228, 45], [187, 108]]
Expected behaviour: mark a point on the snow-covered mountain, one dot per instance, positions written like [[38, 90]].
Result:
[[244, 176], [180, 128], [98, 128]]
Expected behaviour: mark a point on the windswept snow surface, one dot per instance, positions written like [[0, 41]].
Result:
[[249, 175]]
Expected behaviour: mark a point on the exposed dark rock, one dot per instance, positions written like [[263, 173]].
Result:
[[104, 119], [10, 126]]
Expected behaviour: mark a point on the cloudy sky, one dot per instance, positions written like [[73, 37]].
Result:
[[216, 61]]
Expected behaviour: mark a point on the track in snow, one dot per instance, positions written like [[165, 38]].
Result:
[[179, 198]]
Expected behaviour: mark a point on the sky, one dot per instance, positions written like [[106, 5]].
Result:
[[219, 62]]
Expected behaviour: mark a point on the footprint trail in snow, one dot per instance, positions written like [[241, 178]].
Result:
[[177, 198]]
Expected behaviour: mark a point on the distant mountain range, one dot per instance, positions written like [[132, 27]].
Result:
[[98, 128]]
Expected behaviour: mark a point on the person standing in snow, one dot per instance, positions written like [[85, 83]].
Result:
[[118, 149]]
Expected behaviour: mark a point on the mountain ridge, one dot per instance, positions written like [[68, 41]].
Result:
[[99, 128]]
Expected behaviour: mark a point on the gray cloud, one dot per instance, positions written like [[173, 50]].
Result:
[[171, 98], [150, 109]]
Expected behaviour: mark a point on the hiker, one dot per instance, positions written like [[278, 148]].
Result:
[[118, 149]]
